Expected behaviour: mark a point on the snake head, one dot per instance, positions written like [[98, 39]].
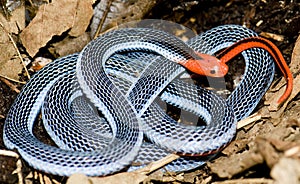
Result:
[[207, 66]]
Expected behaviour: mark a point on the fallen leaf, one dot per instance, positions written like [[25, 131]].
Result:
[[267, 151], [47, 23], [84, 13], [78, 179], [16, 21], [295, 64], [43, 27], [10, 64]]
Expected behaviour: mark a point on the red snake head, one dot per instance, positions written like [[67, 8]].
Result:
[[207, 66]]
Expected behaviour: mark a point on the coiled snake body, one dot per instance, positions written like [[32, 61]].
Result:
[[122, 73]]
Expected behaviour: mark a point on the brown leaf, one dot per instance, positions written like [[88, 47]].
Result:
[[84, 13], [16, 21], [49, 21], [295, 64], [10, 65], [269, 153]]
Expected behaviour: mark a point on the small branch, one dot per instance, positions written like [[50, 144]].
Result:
[[9, 153], [109, 2], [13, 80], [9, 84], [158, 164], [254, 117]]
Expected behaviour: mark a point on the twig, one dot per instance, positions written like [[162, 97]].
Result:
[[109, 2], [17, 50], [41, 178], [7, 78], [9, 153], [254, 117], [10, 85], [158, 164], [55, 182], [18, 170]]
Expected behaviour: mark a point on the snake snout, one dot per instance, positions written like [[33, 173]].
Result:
[[206, 66], [222, 69], [213, 67]]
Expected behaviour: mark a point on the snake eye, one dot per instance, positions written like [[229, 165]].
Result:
[[213, 72]]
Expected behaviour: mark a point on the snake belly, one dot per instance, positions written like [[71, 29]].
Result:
[[97, 105]]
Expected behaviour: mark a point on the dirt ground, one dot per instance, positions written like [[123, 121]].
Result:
[[265, 151]]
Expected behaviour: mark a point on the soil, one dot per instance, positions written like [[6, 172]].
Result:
[[277, 17]]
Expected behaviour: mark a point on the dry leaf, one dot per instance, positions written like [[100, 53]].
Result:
[[49, 22], [10, 64], [78, 179], [84, 13], [16, 21], [295, 64], [266, 149]]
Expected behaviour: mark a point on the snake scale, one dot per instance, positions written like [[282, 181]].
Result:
[[98, 105]]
